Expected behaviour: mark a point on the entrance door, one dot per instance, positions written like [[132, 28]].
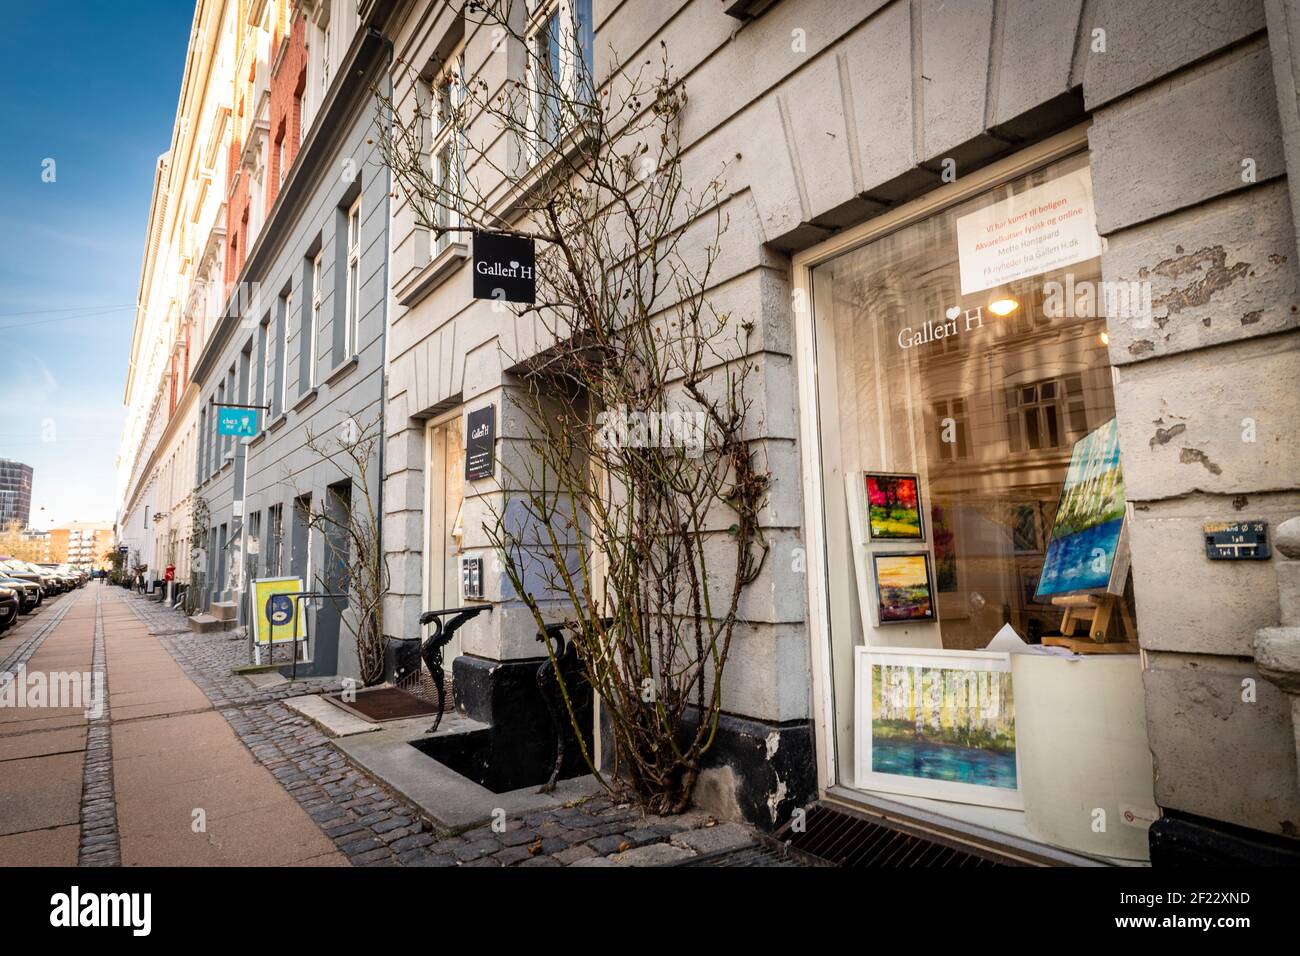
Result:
[[445, 529]]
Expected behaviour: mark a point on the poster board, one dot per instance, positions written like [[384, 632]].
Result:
[[937, 723], [287, 629], [1093, 796]]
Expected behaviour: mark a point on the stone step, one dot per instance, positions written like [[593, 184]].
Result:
[[204, 623], [225, 610]]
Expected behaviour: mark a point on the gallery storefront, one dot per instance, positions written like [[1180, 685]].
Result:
[[970, 595]]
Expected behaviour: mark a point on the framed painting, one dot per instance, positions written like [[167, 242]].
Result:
[[1087, 548], [904, 588], [937, 723], [893, 507]]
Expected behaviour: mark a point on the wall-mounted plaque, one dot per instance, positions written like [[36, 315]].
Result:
[[503, 268], [480, 443], [471, 578], [1237, 541]]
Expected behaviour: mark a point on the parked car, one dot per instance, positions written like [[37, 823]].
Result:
[[63, 574], [51, 584], [13, 568], [10, 606], [28, 592]]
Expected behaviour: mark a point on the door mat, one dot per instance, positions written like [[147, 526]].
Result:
[[384, 703]]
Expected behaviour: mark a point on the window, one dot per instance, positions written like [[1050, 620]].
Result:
[[1046, 414], [313, 323], [970, 481], [352, 310], [282, 360], [560, 42], [267, 383], [448, 144], [274, 538], [282, 158]]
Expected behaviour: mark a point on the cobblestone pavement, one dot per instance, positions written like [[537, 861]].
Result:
[[373, 826]]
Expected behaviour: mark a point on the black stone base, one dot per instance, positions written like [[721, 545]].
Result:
[[742, 745], [521, 746], [1183, 839]]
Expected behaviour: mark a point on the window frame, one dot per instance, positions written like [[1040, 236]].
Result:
[[317, 300], [352, 279], [448, 136], [537, 42]]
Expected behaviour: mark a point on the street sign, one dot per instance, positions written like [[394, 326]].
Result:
[[480, 443], [504, 268], [240, 422]]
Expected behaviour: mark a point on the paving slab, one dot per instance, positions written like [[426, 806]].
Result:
[[335, 721], [42, 743], [40, 792], [52, 847]]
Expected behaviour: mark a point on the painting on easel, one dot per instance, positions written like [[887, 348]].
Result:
[[1085, 545]]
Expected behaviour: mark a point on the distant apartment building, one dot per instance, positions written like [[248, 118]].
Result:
[[39, 542], [15, 493], [81, 544]]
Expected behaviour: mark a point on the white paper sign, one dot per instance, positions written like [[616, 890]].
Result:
[[1044, 228]]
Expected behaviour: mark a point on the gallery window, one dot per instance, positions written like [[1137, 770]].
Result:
[[976, 582]]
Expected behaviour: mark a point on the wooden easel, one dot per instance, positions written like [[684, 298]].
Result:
[[1098, 611]]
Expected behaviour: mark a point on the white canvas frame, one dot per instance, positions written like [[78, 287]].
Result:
[[868, 779]]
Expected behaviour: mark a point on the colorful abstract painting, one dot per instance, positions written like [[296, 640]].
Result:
[[1086, 530], [894, 507], [903, 588], [939, 723]]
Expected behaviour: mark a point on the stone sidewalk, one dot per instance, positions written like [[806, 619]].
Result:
[[191, 764], [159, 778]]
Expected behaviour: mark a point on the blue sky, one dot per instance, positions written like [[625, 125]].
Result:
[[92, 86]]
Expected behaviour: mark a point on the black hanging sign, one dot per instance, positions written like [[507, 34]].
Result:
[[503, 268], [480, 443]]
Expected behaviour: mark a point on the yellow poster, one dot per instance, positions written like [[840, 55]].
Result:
[[277, 616]]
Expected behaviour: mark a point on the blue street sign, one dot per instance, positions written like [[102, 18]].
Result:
[[241, 422]]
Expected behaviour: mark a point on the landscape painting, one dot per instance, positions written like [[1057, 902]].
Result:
[[894, 507], [1086, 531], [943, 723], [903, 588]]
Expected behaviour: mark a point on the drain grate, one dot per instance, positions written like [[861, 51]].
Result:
[[848, 839], [762, 855], [384, 703]]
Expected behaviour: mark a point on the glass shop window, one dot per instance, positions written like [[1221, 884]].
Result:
[[971, 483]]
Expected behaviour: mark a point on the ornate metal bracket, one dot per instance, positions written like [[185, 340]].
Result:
[[549, 685], [432, 648]]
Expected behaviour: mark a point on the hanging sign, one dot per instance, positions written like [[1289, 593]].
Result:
[[1048, 227], [240, 422], [503, 268], [480, 443]]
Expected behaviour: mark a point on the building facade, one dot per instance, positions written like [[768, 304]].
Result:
[[181, 289], [15, 493], [301, 334], [82, 544], [869, 145], [1021, 279]]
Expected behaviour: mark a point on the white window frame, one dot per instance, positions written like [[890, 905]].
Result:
[[317, 297], [535, 36], [283, 384], [352, 279], [447, 95]]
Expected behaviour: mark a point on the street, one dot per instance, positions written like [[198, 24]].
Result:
[[187, 764]]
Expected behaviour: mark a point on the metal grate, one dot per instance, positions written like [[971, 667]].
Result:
[[839, 838], [764, 855]]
